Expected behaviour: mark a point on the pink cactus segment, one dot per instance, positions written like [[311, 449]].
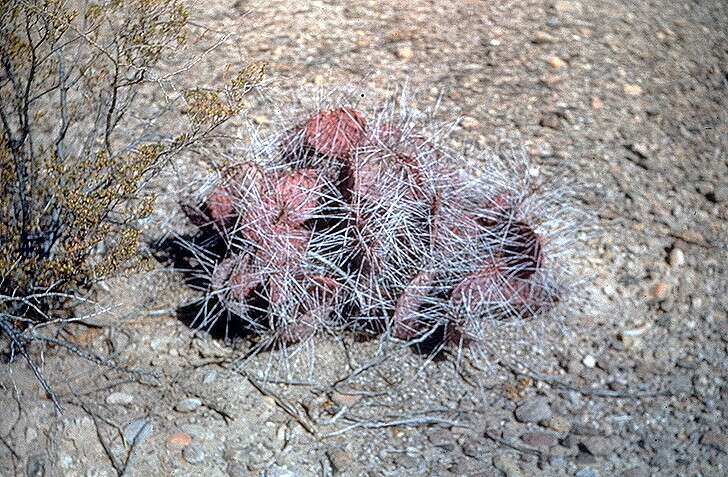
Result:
[[500, 202], [336, 132], [414, 173], [522, 249], [494, 286], [220, 206], [235, 274], [323, 289], [304, 326], [364, 173], [405, 324], [243, 281], [283, 250], [465, 226], [284, 246], [296, 196], [238, 181], [321, 293], [485, 286], [496, 209]]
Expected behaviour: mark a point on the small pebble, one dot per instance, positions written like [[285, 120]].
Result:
[[716, 440], [599, 446], [632, 89], [340, 460], [506, 465], [278, 471], [587, 472], [589, 361], [677, 258], [193, 454], [550, 120], [347, 400], [405, 52], [559, 424], [188, 405], [261, 120], [210, 377], [721, 193], [567, 6], [179, 439], [137, 431], [541, 38], [534, 410], [120, 399], [555, 62], [660, 291], [469, 123], [632, 343], [539, 439]]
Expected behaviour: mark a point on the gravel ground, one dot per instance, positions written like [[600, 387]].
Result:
[[630, 100]]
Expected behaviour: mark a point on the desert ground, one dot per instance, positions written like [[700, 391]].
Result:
[[629, 100]]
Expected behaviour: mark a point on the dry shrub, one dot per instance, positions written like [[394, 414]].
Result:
[[80, 140]]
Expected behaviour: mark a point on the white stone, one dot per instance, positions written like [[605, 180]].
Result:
[[118, 398], [677, 258]]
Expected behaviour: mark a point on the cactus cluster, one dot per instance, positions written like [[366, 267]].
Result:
[[371, 224]]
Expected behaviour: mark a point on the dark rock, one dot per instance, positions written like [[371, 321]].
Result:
[[551, 120], [569, 441], [540, 439]]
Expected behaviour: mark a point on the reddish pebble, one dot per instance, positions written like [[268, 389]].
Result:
[[179, 439]]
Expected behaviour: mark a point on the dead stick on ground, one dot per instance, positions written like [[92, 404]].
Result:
[[289, 408], [414, 422], [522, 449]]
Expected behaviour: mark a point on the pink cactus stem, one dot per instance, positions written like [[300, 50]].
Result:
[[336, 132], [405, 324]]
